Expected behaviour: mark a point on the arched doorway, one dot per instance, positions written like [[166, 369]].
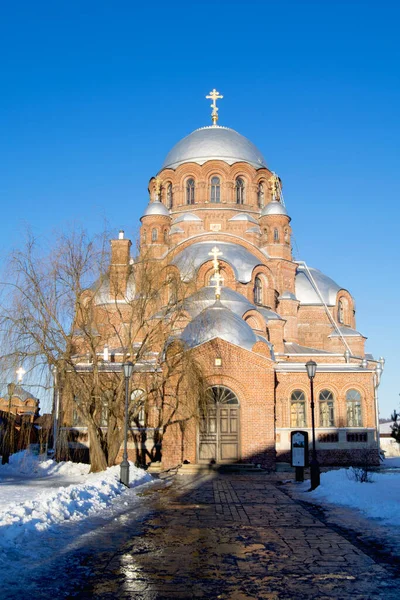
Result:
[[219, 427]]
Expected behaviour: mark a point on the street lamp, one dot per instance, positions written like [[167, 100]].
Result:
[[124, 475], [311, 367]]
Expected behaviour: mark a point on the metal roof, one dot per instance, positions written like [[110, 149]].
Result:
[[294, 348], [306, 291], [345, 332], [274, 208], [156, 208], [217, 321], [186, 217], [214, 143], [240, 259]]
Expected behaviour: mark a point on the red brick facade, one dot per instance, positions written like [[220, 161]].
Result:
[[297, 328]]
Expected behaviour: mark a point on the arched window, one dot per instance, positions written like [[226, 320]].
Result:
[[260, 194], [287, 236], [239, 191], [220, 394], [190, 196], [137, 408], [326, 409], [169, 196], [276, 235], [298, 409], [154, 235], [215, 192], [144, 236], [265, 232], [172, 290], [258, 291], [341, 311], [353, 408], [165, 236]]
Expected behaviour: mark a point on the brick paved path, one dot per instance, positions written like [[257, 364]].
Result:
[[235, 537]]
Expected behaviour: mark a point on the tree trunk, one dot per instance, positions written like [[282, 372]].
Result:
[[98, 461], [114, 440]]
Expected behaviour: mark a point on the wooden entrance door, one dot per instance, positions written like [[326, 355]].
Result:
[[219, 427]]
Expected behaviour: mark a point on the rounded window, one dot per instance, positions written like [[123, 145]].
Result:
[[260, 195], [190, 191], [258, 291], [326, 409], [353, 408], [220, 394], [137, 408], [298, 409], [239, 191], [169, 196], [215, 191]]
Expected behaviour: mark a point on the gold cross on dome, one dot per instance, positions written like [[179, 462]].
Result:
[[219, 280], [157, 189], [215, 252], [214, 96], [275, 186]]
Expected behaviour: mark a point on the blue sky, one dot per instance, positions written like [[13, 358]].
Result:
[[94, 94]]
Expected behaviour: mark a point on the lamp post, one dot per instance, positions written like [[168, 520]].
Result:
[[311, 367], [124, 474]]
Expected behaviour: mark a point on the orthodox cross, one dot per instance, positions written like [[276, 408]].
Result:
[[219, 280], [214, 96], [215, 252], [158, 188], [20, 373], [217, 277], [275, 186]]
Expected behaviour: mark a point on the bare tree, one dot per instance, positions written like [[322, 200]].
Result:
[[55, 319]]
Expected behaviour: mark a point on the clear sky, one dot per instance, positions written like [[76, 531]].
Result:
[[93, 94]]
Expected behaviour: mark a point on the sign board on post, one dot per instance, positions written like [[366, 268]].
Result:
[[299, 448]]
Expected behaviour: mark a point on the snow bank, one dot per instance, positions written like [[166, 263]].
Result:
[[55, 505], [392, 462], [26, 463], [378, 500]]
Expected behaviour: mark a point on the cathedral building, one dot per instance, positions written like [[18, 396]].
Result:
[[256, 316]]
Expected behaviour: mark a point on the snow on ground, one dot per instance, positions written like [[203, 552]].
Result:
[[36, 495], [379, 499]]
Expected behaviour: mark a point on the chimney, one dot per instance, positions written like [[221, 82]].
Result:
[[120, 266]]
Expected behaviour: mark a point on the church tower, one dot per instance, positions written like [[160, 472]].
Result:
[[252, 315]]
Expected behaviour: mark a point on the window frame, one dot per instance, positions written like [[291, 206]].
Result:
[[326, 397], [215, 189], [240, 190], [190, 191], [354, 402], [260, 189], [170, 201], [258, 291], [298, 398]]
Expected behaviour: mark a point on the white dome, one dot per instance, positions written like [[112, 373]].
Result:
[[205, 298], [214, 143], [305, 288], [274, 208], [156, 208], [219, 322]]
